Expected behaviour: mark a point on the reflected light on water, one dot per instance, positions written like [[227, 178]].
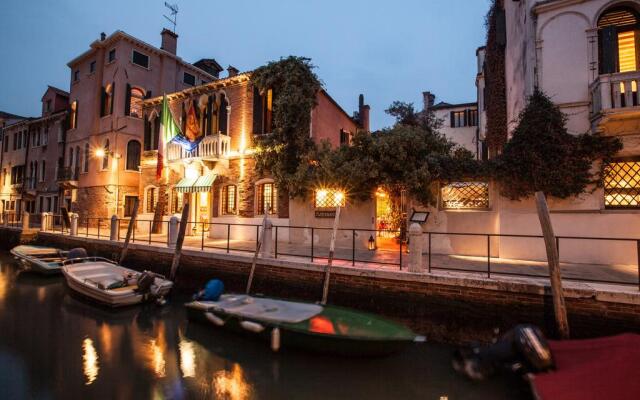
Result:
[[231, 384], [89, 361], [187, 359], [106, 340], [157, 358], [41, 294]]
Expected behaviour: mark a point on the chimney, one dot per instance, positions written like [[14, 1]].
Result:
[[169, 41], [233, 71], [429, 99], [103, 36], [363, 114]]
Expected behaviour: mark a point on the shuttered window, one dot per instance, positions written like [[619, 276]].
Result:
[[133, 155], [619, 41]]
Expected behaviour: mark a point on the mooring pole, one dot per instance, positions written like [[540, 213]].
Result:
[[255, 256], [181, 232], [132, 222], [332, 246], [559, 306]]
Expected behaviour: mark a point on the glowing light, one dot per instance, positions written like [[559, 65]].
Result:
[[187, 359], [329, 198], [89, 361], [231, 384], [191, 173], [339, 196], [100, 153], [204, 197], [157, 358]]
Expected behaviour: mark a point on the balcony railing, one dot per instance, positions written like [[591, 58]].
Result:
[[212, 147], [614, 93], [68, 174]]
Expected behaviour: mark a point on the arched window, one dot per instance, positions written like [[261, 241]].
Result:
[[85, 165], [43, 171], [133, 155], [618, 38], [228, 197], [136, 97], [105, 157], [107, 100], [77, 164], [266, 198], [73, 116]]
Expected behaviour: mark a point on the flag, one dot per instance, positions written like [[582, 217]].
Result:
[[169, 129], [192, 135]]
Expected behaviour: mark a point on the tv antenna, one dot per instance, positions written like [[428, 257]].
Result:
[[173, 8]]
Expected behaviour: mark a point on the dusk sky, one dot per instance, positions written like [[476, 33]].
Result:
[[392, 51]]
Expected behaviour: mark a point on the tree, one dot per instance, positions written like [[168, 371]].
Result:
[[543, 156]]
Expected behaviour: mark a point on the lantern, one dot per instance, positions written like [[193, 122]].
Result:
[[372, 243]]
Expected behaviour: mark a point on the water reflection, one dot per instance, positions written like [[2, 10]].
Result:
[[232, 384], [187, 359], [89, 361]]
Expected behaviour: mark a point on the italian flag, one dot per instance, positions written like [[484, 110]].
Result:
[[169, 129]]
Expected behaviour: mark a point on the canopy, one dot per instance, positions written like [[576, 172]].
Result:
[[199, 184]]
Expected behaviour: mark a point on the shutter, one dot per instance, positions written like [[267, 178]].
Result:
[[636, 38], [208, 130], [452, 119], [608, 50], [466, 118], [257, 112], [147, 134], [113, 97], [156, 133], [127, 101], [103, 95], [75, 116], [223, 115]]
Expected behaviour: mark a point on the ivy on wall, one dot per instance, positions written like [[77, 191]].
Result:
[[495, 95]]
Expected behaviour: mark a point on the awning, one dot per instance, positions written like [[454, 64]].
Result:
[[199, 184]]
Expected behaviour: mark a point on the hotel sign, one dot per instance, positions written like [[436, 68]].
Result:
[[325, 213]]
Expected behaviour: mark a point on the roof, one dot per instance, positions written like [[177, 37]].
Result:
[[55, 89], [335, 103], [444, 106], [118, 35], [7, 115]]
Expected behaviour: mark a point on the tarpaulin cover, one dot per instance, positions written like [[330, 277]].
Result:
[[603, 368]]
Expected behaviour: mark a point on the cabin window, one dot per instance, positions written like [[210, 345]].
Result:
[[140, 59], [133, 155], [465, 196], [229, 196], [329, 198], [622, 184], [266, 198], [619, 40]]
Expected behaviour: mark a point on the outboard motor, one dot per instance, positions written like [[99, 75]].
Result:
[[145, 281], [78, 252], [523, 349]]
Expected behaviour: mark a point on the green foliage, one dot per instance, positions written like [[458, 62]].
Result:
[[284, 154], [495, 96], [543, 156]]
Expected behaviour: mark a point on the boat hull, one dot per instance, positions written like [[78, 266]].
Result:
[[43, 260]]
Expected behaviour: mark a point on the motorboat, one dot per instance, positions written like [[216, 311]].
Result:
[[44, 260]]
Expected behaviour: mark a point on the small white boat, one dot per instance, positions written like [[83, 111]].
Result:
[[45, 260], [113, 285]]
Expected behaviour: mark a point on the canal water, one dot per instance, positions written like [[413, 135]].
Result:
[[55, 346]]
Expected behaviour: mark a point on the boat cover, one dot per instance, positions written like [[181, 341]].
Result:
[[603, 368], [257, 308], [27, 250]]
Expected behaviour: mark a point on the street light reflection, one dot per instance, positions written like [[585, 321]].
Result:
[[89, 361], [232, 384], [187, 359]]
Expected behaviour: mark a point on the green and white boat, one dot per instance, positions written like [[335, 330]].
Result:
[[45, 260], [308, 326]]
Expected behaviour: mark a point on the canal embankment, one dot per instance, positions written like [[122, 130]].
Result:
[[448, 307]]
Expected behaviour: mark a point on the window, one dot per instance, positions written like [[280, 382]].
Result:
[[43, 171], [151, 132], [329, 198], [129, 202], [618, 40], [176, 201], [472, 117], [92, 67], [76, 75], [133, 155], [112, 55], [134, 100], [85, 164], [189, 79], [6, 143], [622, 184], [267, 198], [105, 158], [344, 137], [45, 136], [150, 197], [460, 119], [465, 195], [17, 174], [229, 193], [140, 59], [73, 116], [106, 100], [48, 105], [457, 119]]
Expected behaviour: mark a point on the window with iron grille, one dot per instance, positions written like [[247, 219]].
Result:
[[622, 184], [465, 195], [151, 200], [329, 198], [229, 199], [266, 194]]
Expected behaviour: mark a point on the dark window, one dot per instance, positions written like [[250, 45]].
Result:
[[129, 202], [76, 75], [457, 119], [140, 59], [85, 166], [112, 55], [105, 158], [222, 115], [472, 117], [49, 105], [229, 199], [344, 137], [189, 79], [92, 67], [107, 100], [133, 155], [266, 199]]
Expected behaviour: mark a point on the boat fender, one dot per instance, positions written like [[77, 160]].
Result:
[[419, 339], [252, 326], [214, 319], [275, 339]]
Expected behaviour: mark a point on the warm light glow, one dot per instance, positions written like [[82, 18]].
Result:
[[100, 153], [157, 358], [627, 51], [89, 361], [191, 172], [204, 199], [231, 384], [187, 359], [329, 198]]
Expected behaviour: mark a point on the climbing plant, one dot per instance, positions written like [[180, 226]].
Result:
[[495, 95]]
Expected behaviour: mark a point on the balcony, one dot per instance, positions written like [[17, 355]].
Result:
[[68, 176], [211, 148], [614, 98]]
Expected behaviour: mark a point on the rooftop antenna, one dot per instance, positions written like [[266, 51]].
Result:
[[174, 14]]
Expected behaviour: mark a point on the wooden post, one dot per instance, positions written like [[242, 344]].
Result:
[[130, 228], [181, 233], [559, 307], [332, 247], [255, 256]]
